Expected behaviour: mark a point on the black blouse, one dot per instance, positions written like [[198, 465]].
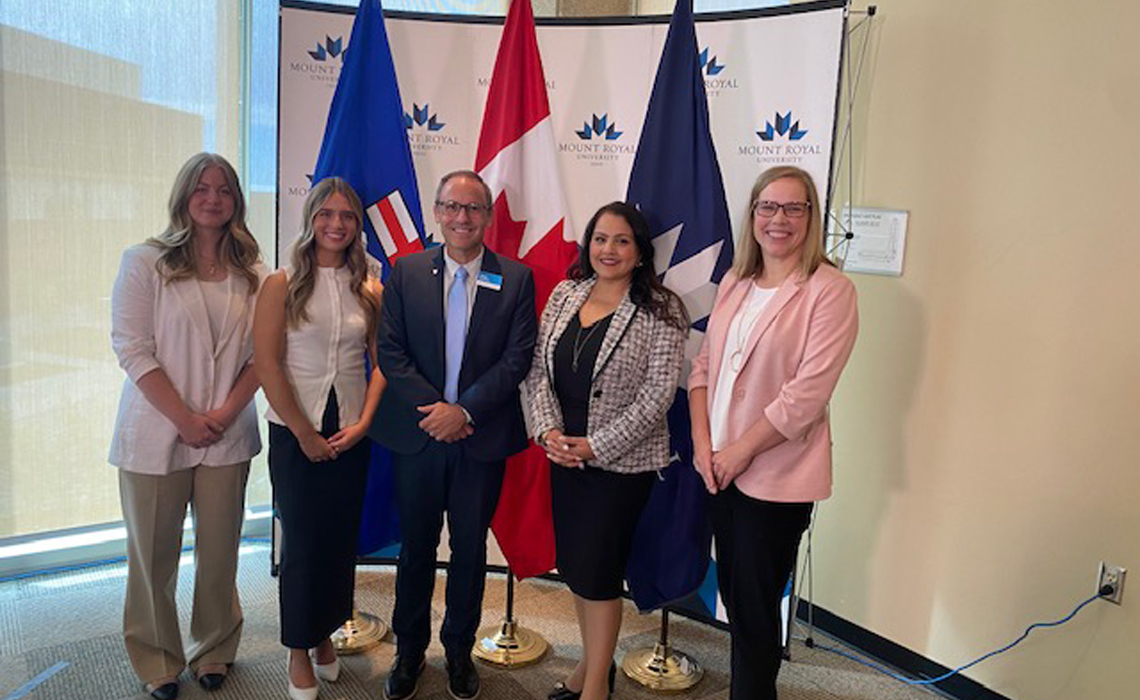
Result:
[[574, 358]]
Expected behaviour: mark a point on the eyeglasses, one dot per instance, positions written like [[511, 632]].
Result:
[[792, 210], [473, 210]]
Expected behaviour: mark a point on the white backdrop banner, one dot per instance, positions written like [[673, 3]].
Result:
[[772, 79]]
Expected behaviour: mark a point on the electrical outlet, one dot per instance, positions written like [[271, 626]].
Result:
[[1113, 576]]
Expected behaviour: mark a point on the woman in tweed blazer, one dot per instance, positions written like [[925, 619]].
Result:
[[606, 367]]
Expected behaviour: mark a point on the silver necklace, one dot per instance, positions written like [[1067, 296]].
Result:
[[580, 344]]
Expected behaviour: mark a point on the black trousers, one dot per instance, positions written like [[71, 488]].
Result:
[[319, 504], [756, 545], [440, 481]]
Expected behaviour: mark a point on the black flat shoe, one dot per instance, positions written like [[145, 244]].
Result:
[[211, 681], [561, 692], [166, 691]]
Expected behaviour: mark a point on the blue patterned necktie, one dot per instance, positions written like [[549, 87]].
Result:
[[456, 334]]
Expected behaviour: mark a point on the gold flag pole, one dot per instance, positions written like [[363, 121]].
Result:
[[661, 668], [509, 644]]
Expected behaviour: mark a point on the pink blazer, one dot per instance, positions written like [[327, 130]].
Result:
[[792, 361]]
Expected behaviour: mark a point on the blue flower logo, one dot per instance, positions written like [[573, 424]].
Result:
[[784, 127], [329, 49], [602, 127], [422, 117]]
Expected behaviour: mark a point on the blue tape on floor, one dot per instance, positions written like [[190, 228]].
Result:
[[31, 685]]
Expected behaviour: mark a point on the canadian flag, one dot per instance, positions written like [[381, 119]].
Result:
[[516, 158]]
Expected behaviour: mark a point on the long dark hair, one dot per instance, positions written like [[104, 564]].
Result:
[[645, 290]]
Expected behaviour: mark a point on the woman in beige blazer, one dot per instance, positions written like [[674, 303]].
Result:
[[780, 332], [181, 321], [605, 371]]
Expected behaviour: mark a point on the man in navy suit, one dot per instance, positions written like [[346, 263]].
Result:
[[455, 340]]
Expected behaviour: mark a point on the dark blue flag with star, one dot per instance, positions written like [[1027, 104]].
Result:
[[676, 182]]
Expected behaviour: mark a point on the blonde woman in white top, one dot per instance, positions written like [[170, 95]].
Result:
[[181, 319], [313, 332]]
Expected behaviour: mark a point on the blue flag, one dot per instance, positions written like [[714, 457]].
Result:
[[676, 182], [366, 143]]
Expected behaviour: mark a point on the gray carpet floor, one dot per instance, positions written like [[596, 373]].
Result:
[[60, 634]]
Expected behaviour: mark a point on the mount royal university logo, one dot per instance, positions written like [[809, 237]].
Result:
[[321, 61], [782, 141], [713, 72], [426, 131], [598, 141]]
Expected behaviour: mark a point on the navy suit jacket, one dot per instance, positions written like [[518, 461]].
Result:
[[497, 356]]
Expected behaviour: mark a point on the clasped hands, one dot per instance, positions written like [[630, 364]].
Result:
[[719, 469], [445, 422], [567, 451], [318, 449], [203, 429]]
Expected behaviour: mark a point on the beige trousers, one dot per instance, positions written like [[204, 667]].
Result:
[[154, 508]]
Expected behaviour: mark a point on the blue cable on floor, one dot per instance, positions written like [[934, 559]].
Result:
[[975, 662], [27, 688]]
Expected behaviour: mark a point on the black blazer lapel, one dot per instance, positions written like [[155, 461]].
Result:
[[434, 307], [484, 300]]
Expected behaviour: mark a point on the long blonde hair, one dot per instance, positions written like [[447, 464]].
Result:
[[303, 257], [238, 248], [748, 262]]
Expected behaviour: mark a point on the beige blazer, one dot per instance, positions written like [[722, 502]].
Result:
[[634, 382], [157, 325], [792, 361]]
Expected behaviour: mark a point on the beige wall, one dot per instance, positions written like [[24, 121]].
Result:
[[987, 434]]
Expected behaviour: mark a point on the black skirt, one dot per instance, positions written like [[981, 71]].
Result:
[[319, 506], [595, 514]]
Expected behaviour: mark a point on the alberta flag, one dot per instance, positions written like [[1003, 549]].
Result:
[[366, 143], [676, 182]]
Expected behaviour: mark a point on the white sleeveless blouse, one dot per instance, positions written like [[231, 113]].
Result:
[[328, 352]]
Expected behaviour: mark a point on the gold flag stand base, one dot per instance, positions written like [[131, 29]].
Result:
[[360, 632], [662, 669], [509, 645]]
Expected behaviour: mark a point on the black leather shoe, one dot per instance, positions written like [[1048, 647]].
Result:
[[404, 678], [462, 679], [166, 691], [211, 681]]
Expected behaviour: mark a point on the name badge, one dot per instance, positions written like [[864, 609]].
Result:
[[490, 281]]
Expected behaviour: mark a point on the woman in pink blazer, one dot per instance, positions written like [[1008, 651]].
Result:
[[781, 331]]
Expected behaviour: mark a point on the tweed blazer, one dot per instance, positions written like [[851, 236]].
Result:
[[634, 381]]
